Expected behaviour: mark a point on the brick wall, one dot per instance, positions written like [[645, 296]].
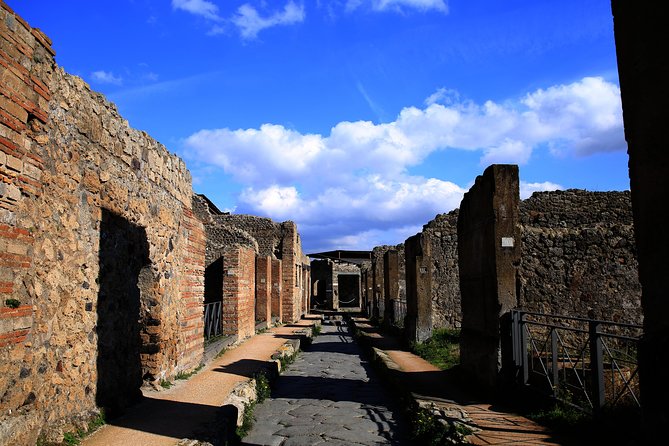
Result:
[[67, 159], [277, 283], [239, 267], [264, 289], [192, 292]]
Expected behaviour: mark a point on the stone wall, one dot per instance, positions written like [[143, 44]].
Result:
[[74, 177], [579, 256], [443, 236], [488, 252], [418, 321], [267, 239]]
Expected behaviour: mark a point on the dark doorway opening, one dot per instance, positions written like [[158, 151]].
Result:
[[349, 290], [213, 298], [124, 258]]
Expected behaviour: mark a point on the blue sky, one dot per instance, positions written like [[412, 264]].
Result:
[[358, 119]]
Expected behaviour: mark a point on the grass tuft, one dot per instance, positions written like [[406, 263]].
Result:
[[442, 349]]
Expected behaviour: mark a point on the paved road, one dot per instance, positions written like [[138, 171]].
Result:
[[328, 396]]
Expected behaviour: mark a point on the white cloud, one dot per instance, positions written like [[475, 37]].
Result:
[[250, 22], [203, 8], [527, 189], [355, 179], [400, 5], [508, 151], [106, 77]]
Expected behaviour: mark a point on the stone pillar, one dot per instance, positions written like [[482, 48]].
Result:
[[418, 324], [642, 45], [264, 289], [276, 289], [488, 252], [391, 284], [377, 283], [239, 268]]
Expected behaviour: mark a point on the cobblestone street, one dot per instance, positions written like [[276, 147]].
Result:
[[329, 395]]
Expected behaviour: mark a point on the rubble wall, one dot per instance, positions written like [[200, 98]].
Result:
[[579, 255], [67, 158]]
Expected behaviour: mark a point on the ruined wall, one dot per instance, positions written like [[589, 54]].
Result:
[[74, 175], [579, 256], [291, 256], [239, 274], [443, 236], [418, 321], [277, 281], [267, 233], [345, 284], [263, 301], [267, 239], [488, 252]]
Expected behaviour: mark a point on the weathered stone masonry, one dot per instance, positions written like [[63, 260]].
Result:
[[73, 176], [267, 239]]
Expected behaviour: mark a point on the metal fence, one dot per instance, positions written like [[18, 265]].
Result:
[[587, 363], [212, 319]]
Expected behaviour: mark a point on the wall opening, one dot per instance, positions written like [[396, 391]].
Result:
[[124, 269], [349, 290], [213, 298]]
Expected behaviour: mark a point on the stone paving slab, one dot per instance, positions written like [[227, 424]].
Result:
[[191, 408], [427, 384], [329, 395]]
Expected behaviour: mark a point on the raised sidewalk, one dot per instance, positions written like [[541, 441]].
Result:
[[194, 409], [430, 387]]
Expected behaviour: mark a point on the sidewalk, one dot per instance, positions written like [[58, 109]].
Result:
[[192, 408], [428, 385]]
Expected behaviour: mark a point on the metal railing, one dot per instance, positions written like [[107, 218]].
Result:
[[588, 363], [399, 311], [212, 319]]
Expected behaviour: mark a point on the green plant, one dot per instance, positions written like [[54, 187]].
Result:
[[263, 388], [561, 417], [428, 429], [442, 349], [71, 438], [13, 303], [316, 330], [165, 384], [96, 422], [186, 375], [287, 360], [247, 420], [222, 352]]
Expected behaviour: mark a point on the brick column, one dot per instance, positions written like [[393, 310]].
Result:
[[289, 294], [192, 291], [418, 326], [264, 289], [239, 292], [642, 43], [488, 252], [277, 279]]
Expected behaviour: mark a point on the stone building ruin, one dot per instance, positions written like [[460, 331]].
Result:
[[102, 253]]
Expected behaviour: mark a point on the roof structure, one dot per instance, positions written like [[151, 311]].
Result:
[[343, 256]]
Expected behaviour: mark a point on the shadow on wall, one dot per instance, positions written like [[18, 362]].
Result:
[[123, 255]]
